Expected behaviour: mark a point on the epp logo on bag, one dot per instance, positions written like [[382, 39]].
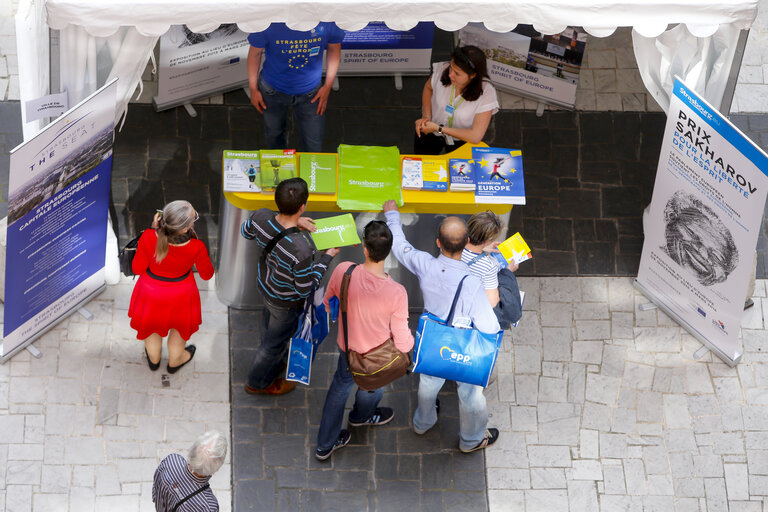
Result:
[[451, 355]]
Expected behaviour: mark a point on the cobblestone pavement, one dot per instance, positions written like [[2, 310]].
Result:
[[387, 468], [602, 407], [83, 428]]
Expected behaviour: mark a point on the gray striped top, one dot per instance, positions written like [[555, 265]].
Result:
[[174, 481]]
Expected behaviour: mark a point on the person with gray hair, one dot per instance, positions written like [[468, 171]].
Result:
[[182, 485]]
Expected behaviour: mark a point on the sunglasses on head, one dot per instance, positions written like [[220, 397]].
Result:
[[465, 58]]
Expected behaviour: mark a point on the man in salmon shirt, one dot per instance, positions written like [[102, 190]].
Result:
[[377, 309]]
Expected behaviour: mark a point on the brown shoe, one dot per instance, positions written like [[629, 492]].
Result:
[[279, 386]]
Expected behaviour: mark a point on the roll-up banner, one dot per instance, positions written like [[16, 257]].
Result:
[[194, 66], [379, 50], [528, 63], [704, 221], [58, 198]]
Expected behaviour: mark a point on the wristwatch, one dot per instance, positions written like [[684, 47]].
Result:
[[440, 129]]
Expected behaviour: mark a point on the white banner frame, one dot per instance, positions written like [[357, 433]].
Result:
[[58, 172], [217, 59], [704, 222]]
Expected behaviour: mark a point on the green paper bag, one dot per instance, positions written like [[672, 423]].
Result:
[[368, 177], [337, 231]]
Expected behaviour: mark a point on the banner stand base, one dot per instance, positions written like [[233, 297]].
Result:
[[398, 81], [688, 327], [700, 353], [190, 110], [86, 314], [35, 353], [28, 344]]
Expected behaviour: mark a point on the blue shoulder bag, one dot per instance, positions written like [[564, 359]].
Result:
[[452, 353]]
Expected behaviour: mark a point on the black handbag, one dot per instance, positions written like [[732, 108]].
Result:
[[126, 254]]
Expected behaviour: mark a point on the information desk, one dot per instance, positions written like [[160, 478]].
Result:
[[414, 201], [236, 280]]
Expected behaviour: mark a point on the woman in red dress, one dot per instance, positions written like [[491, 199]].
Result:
[[165, 300]]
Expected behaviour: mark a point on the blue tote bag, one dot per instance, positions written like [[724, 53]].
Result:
[[312, 330], [451, 353]]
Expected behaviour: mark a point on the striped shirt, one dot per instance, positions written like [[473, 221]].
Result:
[[174, 482], [291, 271], [486, 267]]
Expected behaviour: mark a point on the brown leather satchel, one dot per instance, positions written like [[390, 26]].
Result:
[[377, 367]]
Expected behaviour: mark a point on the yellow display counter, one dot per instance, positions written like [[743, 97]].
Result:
[[414, 201]]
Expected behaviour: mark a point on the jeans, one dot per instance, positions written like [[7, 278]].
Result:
[[279, 326], [336, 399], [473, 413], [311, 126]]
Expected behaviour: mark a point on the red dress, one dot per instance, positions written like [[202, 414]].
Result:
[[158, 306]]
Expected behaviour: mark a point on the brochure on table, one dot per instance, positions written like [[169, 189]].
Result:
[[413, 201], [498, 175], [242, 171]]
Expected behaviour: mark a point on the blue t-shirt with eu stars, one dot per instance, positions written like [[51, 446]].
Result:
[[293, 60]]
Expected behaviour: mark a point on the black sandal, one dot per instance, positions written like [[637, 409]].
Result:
[[191, 349], [152, 366]]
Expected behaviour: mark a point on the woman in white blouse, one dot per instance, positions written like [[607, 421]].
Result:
[[457, 103]]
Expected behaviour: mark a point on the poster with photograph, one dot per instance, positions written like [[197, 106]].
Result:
[[379, 50], [705, 217], [58, 197], [528, 63], [193, 66]]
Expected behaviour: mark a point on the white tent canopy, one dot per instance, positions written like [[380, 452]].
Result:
[[598, 17], [102, 39]]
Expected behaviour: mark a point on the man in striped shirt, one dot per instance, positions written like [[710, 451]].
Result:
[[182, 486], [286, 278]]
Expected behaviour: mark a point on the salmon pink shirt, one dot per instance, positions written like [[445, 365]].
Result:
[[377, 309]]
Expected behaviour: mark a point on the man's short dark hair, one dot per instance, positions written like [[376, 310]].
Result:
[[452, 235], [290, 195], [377, 238]]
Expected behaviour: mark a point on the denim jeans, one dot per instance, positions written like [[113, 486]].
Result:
[[336, 399], [311, 126], [279, 326], [473, 413]]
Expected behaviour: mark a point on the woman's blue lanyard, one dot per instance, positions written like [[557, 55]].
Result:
[[450, 108]]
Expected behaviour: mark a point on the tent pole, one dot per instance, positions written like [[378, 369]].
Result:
[[54, 65], [733, 75]]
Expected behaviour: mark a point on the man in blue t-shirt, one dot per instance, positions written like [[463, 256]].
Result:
[[292, 76]]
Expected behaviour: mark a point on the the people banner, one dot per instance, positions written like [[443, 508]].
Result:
[[526, 62], [379, 50], [704, 221], [58, 200]]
